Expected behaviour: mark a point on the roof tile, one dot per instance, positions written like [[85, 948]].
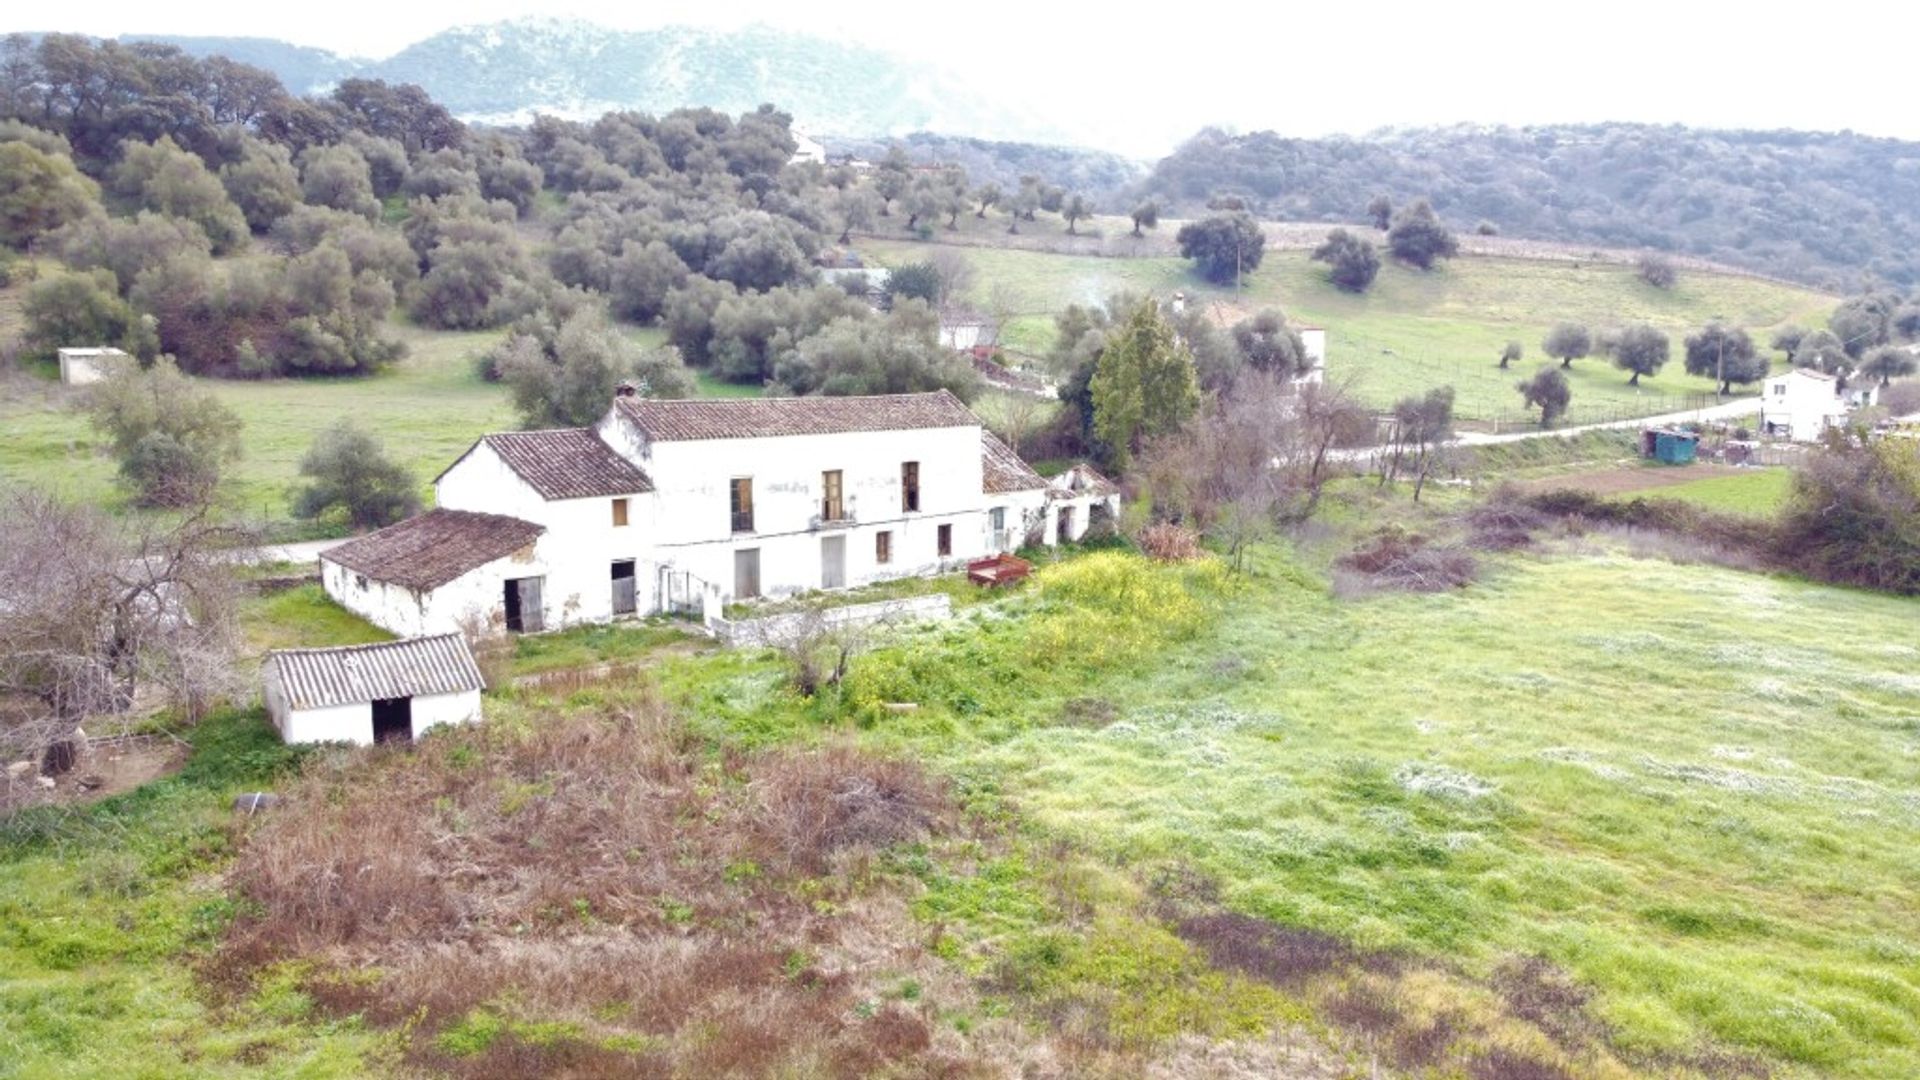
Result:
[[568, 463], [1002, 471], [431, 549], [690, 419]]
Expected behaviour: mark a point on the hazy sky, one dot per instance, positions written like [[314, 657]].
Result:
[[1137, 83]]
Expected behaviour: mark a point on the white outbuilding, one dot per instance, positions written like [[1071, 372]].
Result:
[[392, 691], [78, 367], [1802, 404]]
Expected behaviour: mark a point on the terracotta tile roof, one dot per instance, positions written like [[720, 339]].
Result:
[[568, 463], [1081, 480], [1002, 471], [427, 551], [347, 675], [760, 418]]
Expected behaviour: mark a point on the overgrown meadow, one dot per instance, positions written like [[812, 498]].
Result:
[[1592, 815]]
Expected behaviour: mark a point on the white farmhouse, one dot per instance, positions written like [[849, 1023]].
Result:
[[686, 505], [1802, 404], [389, 692], [78, 367]]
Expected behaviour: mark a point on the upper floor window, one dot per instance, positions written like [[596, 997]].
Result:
[[741, 503], [831, 506], [619, 512], [909, 485]]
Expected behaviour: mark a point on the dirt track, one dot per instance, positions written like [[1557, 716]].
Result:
[[1621, 479]]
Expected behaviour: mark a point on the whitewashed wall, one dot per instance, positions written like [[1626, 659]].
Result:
[[335, 723], [692, 523], [433, 710], [580, 545]]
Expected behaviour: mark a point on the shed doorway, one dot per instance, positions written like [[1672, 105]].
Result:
[[393, 720], [624, 600]]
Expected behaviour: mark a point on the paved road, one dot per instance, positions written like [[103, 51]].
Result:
[[304, 553], [1736, 409]]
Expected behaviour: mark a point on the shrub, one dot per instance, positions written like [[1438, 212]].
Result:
[[1169, 542], [1396, 559], [1854, 515], [172, 438], [1657, 270], [350, 471]]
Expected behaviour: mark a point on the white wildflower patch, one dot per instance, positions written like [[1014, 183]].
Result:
[[1585, 759], [1440, 781], [1424, 726], [1889, 682], [1459, 841], [1723, 777], [1733, 753]]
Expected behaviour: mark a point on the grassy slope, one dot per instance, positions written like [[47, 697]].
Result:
[[428, 408], [1414, 330], [103, 913], [1693, 788], [1761, 492]]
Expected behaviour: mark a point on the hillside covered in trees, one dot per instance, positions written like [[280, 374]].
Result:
[[1820, 208]]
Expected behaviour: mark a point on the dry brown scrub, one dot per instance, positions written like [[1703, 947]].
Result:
[[597, 895]]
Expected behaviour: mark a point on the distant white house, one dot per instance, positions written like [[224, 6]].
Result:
[[392, 691], [806, 149], [965, 331], [78, 367], [1802, 404], [684, 506]]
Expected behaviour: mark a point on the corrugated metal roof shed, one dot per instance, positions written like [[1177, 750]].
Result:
[[351, 674]]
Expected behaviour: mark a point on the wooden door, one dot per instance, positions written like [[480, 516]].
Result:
[[526, 614], [624, 599]]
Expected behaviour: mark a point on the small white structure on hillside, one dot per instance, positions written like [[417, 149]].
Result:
[[78, 367], [1315, 340], [392, 691], [1802, 404], [806, 149], [965, 331], [683, 506]]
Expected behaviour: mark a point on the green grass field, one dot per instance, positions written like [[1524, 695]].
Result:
[[1692, 788], [1413, 330], [1761, 492], [428, 408]]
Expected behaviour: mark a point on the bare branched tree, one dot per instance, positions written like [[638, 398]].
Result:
[[818, 642], [1259, 459], [97, 615]]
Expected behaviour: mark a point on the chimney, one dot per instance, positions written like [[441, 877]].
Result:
[[1179, 303]]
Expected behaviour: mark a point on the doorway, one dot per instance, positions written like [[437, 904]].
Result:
[[624, 599], [525, 612], [746, 574], [393, 720], [833, 562]]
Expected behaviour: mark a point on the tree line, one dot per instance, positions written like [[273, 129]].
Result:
[[1820, 208]]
